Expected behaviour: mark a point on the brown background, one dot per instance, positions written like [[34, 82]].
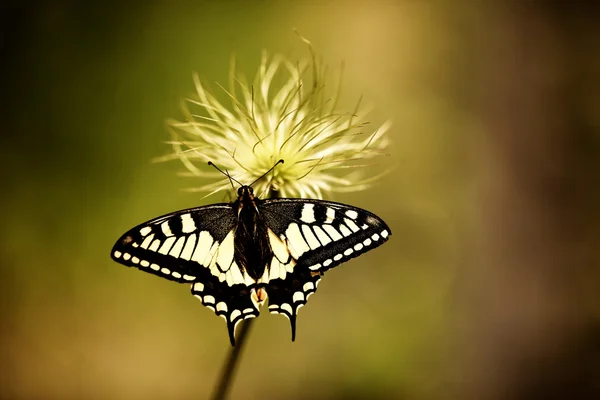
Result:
[[488, 289]]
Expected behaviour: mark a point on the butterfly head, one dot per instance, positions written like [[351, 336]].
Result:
[[245, 192], [246, 199]]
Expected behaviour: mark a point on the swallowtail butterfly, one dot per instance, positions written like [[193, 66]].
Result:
[[235, 255]]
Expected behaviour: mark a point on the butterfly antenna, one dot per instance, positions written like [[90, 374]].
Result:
[[231, 178], [266, 173]]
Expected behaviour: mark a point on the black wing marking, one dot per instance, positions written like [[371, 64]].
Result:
[[309, 237], [193, 246]]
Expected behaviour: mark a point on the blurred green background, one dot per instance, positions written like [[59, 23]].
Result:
[[488, 289]]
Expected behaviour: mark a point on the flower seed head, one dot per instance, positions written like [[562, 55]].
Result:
[[282, 115]]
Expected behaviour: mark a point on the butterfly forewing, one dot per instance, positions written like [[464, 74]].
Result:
[[176, 246], [322, 234]]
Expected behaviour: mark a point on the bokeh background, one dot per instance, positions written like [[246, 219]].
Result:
[[488, 289]]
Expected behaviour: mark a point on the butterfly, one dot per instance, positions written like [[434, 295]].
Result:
[[236, 255]]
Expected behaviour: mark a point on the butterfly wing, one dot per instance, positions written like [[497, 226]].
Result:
[[309, 237], [193, 246]]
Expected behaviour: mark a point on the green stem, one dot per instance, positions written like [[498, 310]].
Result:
[[226, 379]]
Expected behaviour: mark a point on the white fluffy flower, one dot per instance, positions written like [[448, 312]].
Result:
[[279, 116]]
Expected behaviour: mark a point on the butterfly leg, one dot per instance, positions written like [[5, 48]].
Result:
[[286, 296]]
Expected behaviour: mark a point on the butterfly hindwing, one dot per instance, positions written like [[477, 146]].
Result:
[[233, 303], [287, 295]]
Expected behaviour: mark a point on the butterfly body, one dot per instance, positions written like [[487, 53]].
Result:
[[251, 243], [235, 255]]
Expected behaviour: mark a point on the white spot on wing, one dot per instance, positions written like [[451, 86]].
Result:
[[327, 262], [337, 257], [352, 225], [211, 253], [274, 269], [308, 286], [289, 267], [189, 277], [135, 260], [310, 237], [126, 256], [145, 230], [221, 306], [345, 231], [375, 237], [225, 252], [176, 275], [147, 241], [155, 267], [208, 299], [358, 247], [144, 263], [333, 233], [367, 242], [164, 249], [229, 277], [205, 241], [154, 245], [298, 296], [384, 234], [322, 236], [165, 271], [283, 269], [351, 214], [176, 250], [315, 267], [308, 213], [198, 286], [117, 254], [187, 223], [235, 314], [286, 307], [190, 244], [295, 239], [330, 215], [278, 247], [347, 252], [236, 274], [166, 228], [248, 281]]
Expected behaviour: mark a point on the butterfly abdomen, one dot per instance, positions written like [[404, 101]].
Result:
[[252, 249]]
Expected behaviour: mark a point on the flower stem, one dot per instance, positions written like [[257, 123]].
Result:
[[226, 380]]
